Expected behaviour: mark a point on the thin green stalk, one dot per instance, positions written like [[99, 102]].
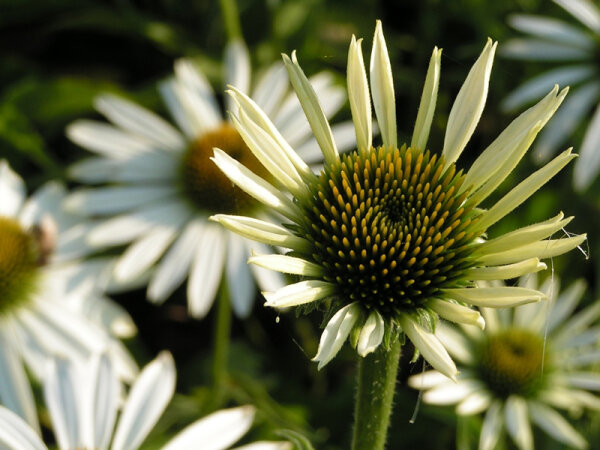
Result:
[[222, 337], [231, 18], [374, 397]]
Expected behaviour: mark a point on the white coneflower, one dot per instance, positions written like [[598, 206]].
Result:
[[84, 403], [390, 237], [163, 185], [553, 40], [528, 363], [49, 303]]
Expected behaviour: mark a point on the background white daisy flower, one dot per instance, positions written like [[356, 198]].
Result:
[[394, 236], [163, 186], [576, 48], [45, 296], [84, 403], [529, 362]]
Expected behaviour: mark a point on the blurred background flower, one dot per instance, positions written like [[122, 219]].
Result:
[[529, 362], [576, 47]]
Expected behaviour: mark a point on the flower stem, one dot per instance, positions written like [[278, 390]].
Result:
[[221, 338], [231, 18], [374, 397]]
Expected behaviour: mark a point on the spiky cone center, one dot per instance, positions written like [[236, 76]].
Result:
[[511, 362], [389, 228], [205, 185], [18, 265]]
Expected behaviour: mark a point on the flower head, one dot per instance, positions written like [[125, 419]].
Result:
[[163, 186], [391, 236], [529, 362], [83, 402], [553, 40], [50, 301]]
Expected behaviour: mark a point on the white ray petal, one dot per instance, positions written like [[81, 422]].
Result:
[[271, 88], [139, 121], [108, 140], [15, 433], [101, 394], [428, 101], [517, 422], [531, 49], [430, 347], [474, 403], [450, 392], [240, 281], [507, 271], [146, 402], [15, 391], [371, 334], [456, 313], [524, 190], [495, 297], [586, 168], [555, 425], [541, 249], [335, 333], [382, 88], [583, 10], [299, 293], [12, 191], [174, 266], [492, 427], [115, 199], [206, 270], [427, 380], [261, 231], [60, 392], [469, 104], [237, 69], [287, 264], [358, 95], [254, 185], [312, 108], [550, 29]]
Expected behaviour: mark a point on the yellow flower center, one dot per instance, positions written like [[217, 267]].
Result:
[[389, 227], [18, 264], [511, 362], [205, 185]]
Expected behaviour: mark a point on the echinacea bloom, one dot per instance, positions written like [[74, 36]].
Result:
[[49, 303], [84, 402], [394, 235], [529, 362], [162, 186], [576, 48]]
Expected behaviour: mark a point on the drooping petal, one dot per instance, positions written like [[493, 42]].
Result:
[[506, 272], [371, 334], [583, 10], [430, 347], [474, 403], [336, 332], [450, 393], [456, 313]]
